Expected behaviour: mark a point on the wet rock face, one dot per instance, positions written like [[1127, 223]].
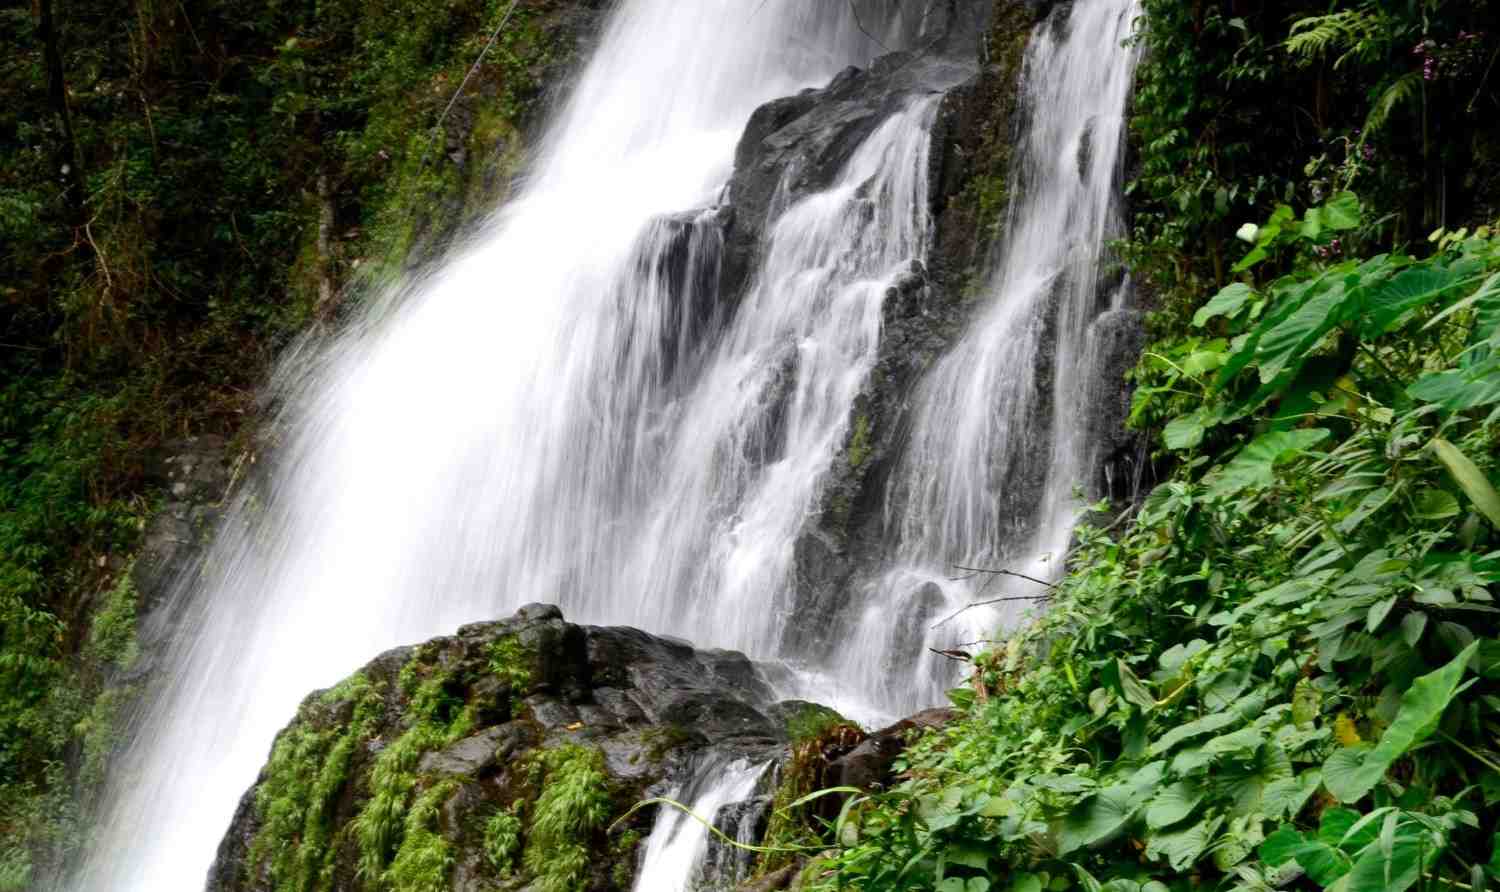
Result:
[[796, 144], [1116, 339], [454, 762]]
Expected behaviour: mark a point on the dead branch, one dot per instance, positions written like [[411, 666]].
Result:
[[987, 602], [978, 570]]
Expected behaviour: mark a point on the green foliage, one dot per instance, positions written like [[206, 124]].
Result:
[[573, 808], [436, 719], [510, 661], [308, 770], [1284, 673], [1239, 108], [203, 136], [424, 860], [502, 840]]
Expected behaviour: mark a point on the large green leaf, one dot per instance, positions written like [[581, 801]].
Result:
[[1227, 302], [1324, 865], [1173, 804], [1472, 480], [1206, 725], [1095, 819], [1486, 303], [1412, 288], [1391, 867], [1254, 464], [1102, 815], [1351, 773], [1288, 299], [1286, 345], [1183, 847], [1286, 797], [1460, 389]]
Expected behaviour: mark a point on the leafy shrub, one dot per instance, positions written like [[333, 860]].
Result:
[[1284, 672]]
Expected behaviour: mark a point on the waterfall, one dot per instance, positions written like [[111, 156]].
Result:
[[569, 410], [1000, 436], [487, 435], [676, 849]]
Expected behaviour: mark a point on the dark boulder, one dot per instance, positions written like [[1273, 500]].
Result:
[[444, 760]]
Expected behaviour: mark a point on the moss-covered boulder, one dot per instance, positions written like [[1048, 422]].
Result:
[[497, 758]]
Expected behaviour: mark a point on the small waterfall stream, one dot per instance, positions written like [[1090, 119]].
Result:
[[569, 411], [999, 436]]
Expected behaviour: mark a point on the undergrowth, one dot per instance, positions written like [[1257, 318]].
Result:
[[1284, 672]]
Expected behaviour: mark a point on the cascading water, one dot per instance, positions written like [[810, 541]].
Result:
[[678, 843], [999, 435], [473, 443], [566, 412]]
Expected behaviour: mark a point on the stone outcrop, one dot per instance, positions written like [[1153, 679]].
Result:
[[797, 144], [455, 762]]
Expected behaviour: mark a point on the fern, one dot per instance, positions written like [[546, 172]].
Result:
[[1402, 89], [1361, 34]]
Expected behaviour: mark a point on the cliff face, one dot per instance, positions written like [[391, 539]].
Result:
[[443, 766]]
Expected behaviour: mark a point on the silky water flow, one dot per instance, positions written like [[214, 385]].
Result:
[[555, 413]]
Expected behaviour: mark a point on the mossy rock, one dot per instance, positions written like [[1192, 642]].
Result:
[[498, 758]]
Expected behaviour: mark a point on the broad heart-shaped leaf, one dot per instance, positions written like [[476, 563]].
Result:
[[1434, 504], [1253, 465], [1459, 389], [1286, 300], [1182, 848], [1214, 721], [1414, 287], [1337, 828], [1228, 302], [1392, 868], [1106, 813], [1486, 303], [1133, 689], [1184, 431], [1096, 818], [1286, 345], [1286, 797], [1322, 863], [1173, 803], [1475, 485], [1351, 773], [1342, 212]]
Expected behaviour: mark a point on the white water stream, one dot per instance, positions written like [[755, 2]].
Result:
[[998, 441], [558, 413]]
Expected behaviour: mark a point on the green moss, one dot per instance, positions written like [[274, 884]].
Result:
[[859, 442], [572, 808], [659, 740], [812, 721], [623, 853]]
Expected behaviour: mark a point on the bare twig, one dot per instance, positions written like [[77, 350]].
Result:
[[854, 10], [109, 282], [477, 62], [956, 656], [987, 602], [978, 570]]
